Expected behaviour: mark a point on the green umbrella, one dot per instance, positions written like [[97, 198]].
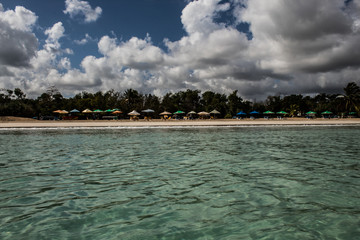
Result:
[[268, 112], [326, 112], [109, 111], [352, 113], [179, 112], [310, 112], [282, 112], [98, 111]]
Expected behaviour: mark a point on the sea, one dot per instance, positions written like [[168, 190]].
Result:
[[244, 182]]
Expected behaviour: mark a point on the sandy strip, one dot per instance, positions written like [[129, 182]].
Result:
[[160, 123]]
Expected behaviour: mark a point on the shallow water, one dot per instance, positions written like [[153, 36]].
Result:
[[180, 183]]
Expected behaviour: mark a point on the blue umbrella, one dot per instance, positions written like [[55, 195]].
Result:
[[74, 111], [241, 113], [254, 112]]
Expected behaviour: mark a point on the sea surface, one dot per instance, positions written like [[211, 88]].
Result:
[[264, 182]]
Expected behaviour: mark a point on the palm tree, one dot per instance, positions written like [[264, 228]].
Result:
[[352, 97]]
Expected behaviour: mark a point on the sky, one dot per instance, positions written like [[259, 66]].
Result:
[[260, 48]]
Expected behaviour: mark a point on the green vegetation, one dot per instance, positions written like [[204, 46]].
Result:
[[15, 103]]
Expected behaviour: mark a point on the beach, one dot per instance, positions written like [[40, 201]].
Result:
[[24, 123]]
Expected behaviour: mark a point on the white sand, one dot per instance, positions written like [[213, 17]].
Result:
[[157, 123]]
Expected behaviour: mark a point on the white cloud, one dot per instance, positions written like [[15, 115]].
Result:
[[85, 40], [197, 16], [135, 53], [297, 47], [17, 44], [83, 8], [21, 19], [54, 34]]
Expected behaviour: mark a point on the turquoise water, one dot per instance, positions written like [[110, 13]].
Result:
[[180, 183]]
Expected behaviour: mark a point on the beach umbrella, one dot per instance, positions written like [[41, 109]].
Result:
[[214, 112], [133, 113], [87, 111], [74, 111], [310, 112], [148, 111], [352, 113], [109, 111], [63, 112], [326, 113], [268, 112], [203, 113], [254, 112], [165, 113], [192, 112], [117, 112], [57, 111], [241, 113], [179, 112], [98, 111], [282, 112]]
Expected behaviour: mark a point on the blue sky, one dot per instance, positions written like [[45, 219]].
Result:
[[257, 47], [122, 19]]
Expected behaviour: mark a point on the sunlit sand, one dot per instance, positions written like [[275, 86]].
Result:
[[159, 123]]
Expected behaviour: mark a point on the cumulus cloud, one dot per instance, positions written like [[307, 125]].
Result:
[[18, 44], [83, 8], [306, 36], [296, 47]]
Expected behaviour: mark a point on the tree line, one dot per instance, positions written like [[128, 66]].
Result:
[[15, 103]]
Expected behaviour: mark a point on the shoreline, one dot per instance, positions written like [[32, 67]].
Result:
[[176, 123]]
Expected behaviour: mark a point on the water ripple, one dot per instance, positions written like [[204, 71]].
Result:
[[182, 183]]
